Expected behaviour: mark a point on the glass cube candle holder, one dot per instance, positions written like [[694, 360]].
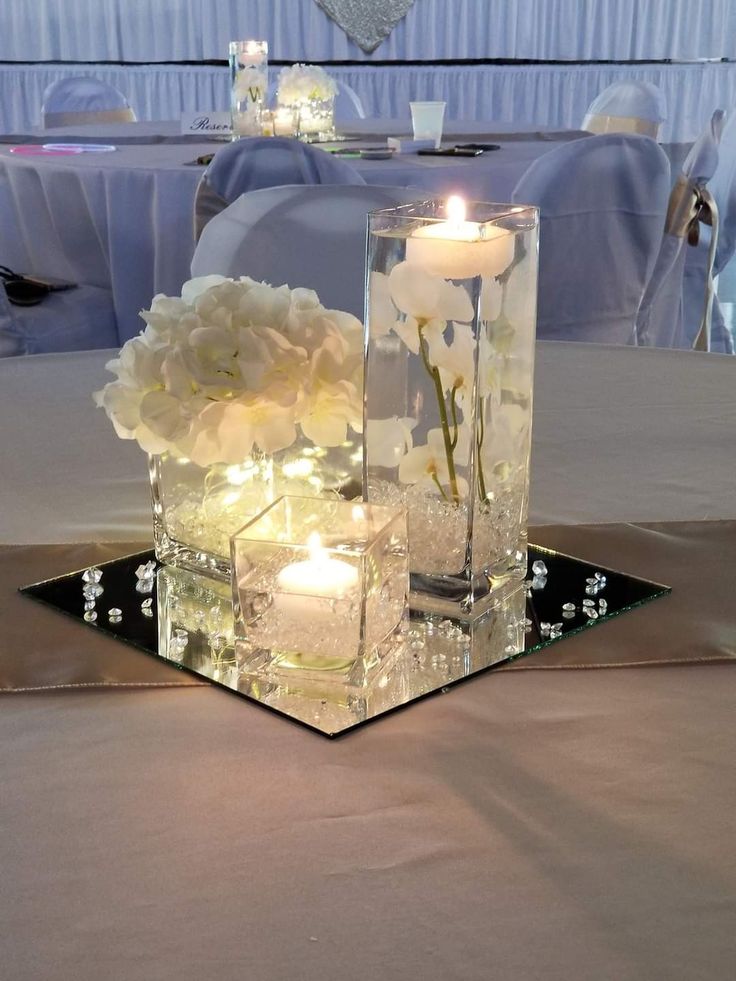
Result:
[[320, 590], [451, 318]]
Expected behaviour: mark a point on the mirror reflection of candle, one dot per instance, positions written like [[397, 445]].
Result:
[[459, 249]]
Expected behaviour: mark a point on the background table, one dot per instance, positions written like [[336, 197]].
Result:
[[620, 434], [123, 220], [529, 824]]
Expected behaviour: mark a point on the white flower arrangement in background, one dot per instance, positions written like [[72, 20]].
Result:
[[234, 366], [304, 83]]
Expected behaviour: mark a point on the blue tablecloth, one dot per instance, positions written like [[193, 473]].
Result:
[[123, 220]]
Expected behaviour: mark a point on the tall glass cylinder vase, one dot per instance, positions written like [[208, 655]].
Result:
[[249, 82], [451, 320]]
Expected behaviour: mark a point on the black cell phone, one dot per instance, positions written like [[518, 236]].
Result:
[[477, 146], [450, 151], [52, 285]]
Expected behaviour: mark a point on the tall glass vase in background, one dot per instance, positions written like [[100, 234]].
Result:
[[249, 82], [451, 319]]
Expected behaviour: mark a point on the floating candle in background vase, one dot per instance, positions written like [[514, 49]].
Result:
[[460, 249], [303, 605]]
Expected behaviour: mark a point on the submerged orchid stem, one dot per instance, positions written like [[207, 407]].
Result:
[[479, 446], [446, 437]]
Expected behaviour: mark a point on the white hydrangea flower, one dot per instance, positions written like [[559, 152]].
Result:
[[303, 83], [232, 365]]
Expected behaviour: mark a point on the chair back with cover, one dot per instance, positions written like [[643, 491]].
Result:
[[627, 107], [313, 237], [698, 275], [347, 104], [602, 204], [257, 162], [84, 99], [660, 322], [81, 319]]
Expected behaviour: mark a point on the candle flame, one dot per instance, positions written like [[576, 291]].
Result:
[[358, 514], [314, 544], [455, 209]]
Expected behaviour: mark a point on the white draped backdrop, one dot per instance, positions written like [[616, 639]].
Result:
[[551, 95], [78, 36], [196, 30]]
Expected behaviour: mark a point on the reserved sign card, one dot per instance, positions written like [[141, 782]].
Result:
[[206, 123]]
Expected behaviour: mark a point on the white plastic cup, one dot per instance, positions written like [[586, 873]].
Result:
[[427, 119]]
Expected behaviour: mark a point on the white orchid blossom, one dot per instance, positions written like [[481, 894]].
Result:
[[428, 466], [235, 365], [424, 296], [383, 312], [388, 440]]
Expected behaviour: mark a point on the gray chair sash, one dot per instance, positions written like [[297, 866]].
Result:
[[207, 204], [690, 205]]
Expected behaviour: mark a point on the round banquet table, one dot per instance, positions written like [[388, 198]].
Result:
[[123, 219], [555, 824]]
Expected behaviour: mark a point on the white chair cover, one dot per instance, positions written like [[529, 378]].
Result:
[[75, 320], [602, 206], [258, 162], [312, 237], [627, 107], [84, 99], [660, 320], [347, 103]]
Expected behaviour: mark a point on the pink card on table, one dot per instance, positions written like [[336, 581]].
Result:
[[33, 150]]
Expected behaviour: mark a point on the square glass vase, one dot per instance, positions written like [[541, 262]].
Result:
[[320, 590], [248, 86], [315, 120], [451, 320], [197, 509]]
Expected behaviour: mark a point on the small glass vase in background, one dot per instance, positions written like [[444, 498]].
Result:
[[451, 320], [249, 82], [316, 120], [196, 509]]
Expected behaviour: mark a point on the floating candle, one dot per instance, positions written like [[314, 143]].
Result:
[[307, 588], [460, 249]]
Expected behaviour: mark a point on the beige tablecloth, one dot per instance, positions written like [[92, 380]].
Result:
[[530, 824], [620, 434]]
